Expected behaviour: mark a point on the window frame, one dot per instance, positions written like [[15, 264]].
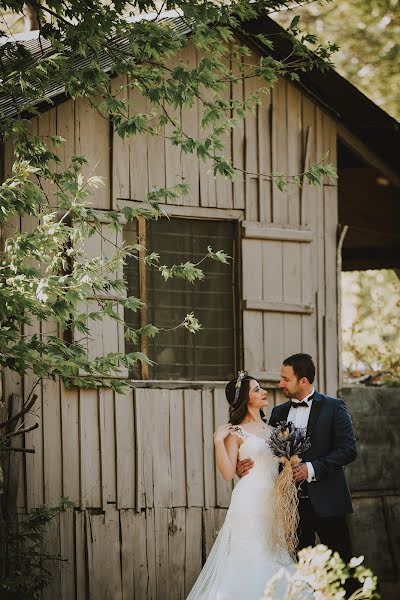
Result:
[[194, 214]]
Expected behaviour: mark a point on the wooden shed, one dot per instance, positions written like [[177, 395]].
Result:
[[140, 467]]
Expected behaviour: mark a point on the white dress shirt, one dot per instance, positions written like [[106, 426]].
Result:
[[299, 417]]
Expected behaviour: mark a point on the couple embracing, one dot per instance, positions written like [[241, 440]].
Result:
[[243, 557]]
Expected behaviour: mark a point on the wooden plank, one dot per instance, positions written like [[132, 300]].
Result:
[[279, 150], [90, 449], [52, 548], [253, 334], [177, 448], [266, 375], [161, 522], [125, 450], [67, 554], [330, 145], [129, 546], [294, 149], [221, 416], [52, 451], [34, 440], [310, 155], [208, 445], [224, 185], [155, 151], [80, 555], [305, 309], [103, 548], [272, 277], [173, 166], [145, 436], [138, 167], [193, 448], [207, 182], [140, 565], [162, 459], [70, 442], [252, 289], [196, 212], [274, 351], [238, 142], [151, 555], [252, 278], [260, 231], [193, 547], [190, 126], [108, 442], [176, 553], [120, 148], [140, 497], [66, 129], [291, 294], [47, 126], [331, 325], [92, 135], [251, 86], [265, 155]]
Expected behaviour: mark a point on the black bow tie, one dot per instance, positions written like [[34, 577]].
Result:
[[298, 404]]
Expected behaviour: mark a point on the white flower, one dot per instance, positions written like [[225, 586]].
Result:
[[368, 585], [355, 561]]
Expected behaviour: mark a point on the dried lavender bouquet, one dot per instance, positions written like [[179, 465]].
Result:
[[287, 442]]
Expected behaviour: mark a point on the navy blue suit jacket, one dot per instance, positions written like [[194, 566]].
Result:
[[332, 447]]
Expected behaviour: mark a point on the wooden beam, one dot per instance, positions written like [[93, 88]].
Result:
[[263, 231], [362, 150], [267, 376], [301, 309], [194, 212]]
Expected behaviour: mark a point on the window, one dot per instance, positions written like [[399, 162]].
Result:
[[210, 354]]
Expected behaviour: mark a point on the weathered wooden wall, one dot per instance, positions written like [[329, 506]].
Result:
[[140, 467]]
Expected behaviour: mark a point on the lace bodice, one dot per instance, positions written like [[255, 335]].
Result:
[[265, 469]]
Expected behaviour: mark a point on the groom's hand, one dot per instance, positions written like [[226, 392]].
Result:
[[300, 473], [244, 466]]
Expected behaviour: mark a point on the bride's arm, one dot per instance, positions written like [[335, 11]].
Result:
[[226, 451]]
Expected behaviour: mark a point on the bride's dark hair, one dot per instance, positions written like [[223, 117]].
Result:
[[238, 407]]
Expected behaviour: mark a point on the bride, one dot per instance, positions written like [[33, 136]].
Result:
[[243, 559]]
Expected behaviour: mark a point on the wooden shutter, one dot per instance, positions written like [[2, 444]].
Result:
[[279, 316]]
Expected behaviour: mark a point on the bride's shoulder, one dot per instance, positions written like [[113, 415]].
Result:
[[239, 432]]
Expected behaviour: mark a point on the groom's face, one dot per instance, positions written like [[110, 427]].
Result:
[[289, 384]]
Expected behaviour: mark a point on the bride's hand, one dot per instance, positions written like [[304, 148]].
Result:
[[222, 432]]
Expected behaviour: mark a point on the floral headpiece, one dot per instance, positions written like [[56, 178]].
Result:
[[238, 385]]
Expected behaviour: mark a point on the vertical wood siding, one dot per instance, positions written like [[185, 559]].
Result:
[[141, 466]]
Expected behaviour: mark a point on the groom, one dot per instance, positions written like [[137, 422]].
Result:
[[324, 497]]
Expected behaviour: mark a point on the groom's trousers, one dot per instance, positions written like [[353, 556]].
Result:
[[332, 531]]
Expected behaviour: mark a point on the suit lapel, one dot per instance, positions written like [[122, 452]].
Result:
[[314, 412], [283, 411]]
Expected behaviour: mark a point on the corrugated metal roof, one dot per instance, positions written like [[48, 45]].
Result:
[[39, 47]]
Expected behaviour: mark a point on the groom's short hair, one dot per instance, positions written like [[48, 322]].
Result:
[[302, 365]]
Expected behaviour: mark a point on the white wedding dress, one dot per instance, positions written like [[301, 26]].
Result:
[[242, 559]]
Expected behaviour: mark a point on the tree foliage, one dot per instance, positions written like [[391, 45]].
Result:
[[368, 35], [371, 325]]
